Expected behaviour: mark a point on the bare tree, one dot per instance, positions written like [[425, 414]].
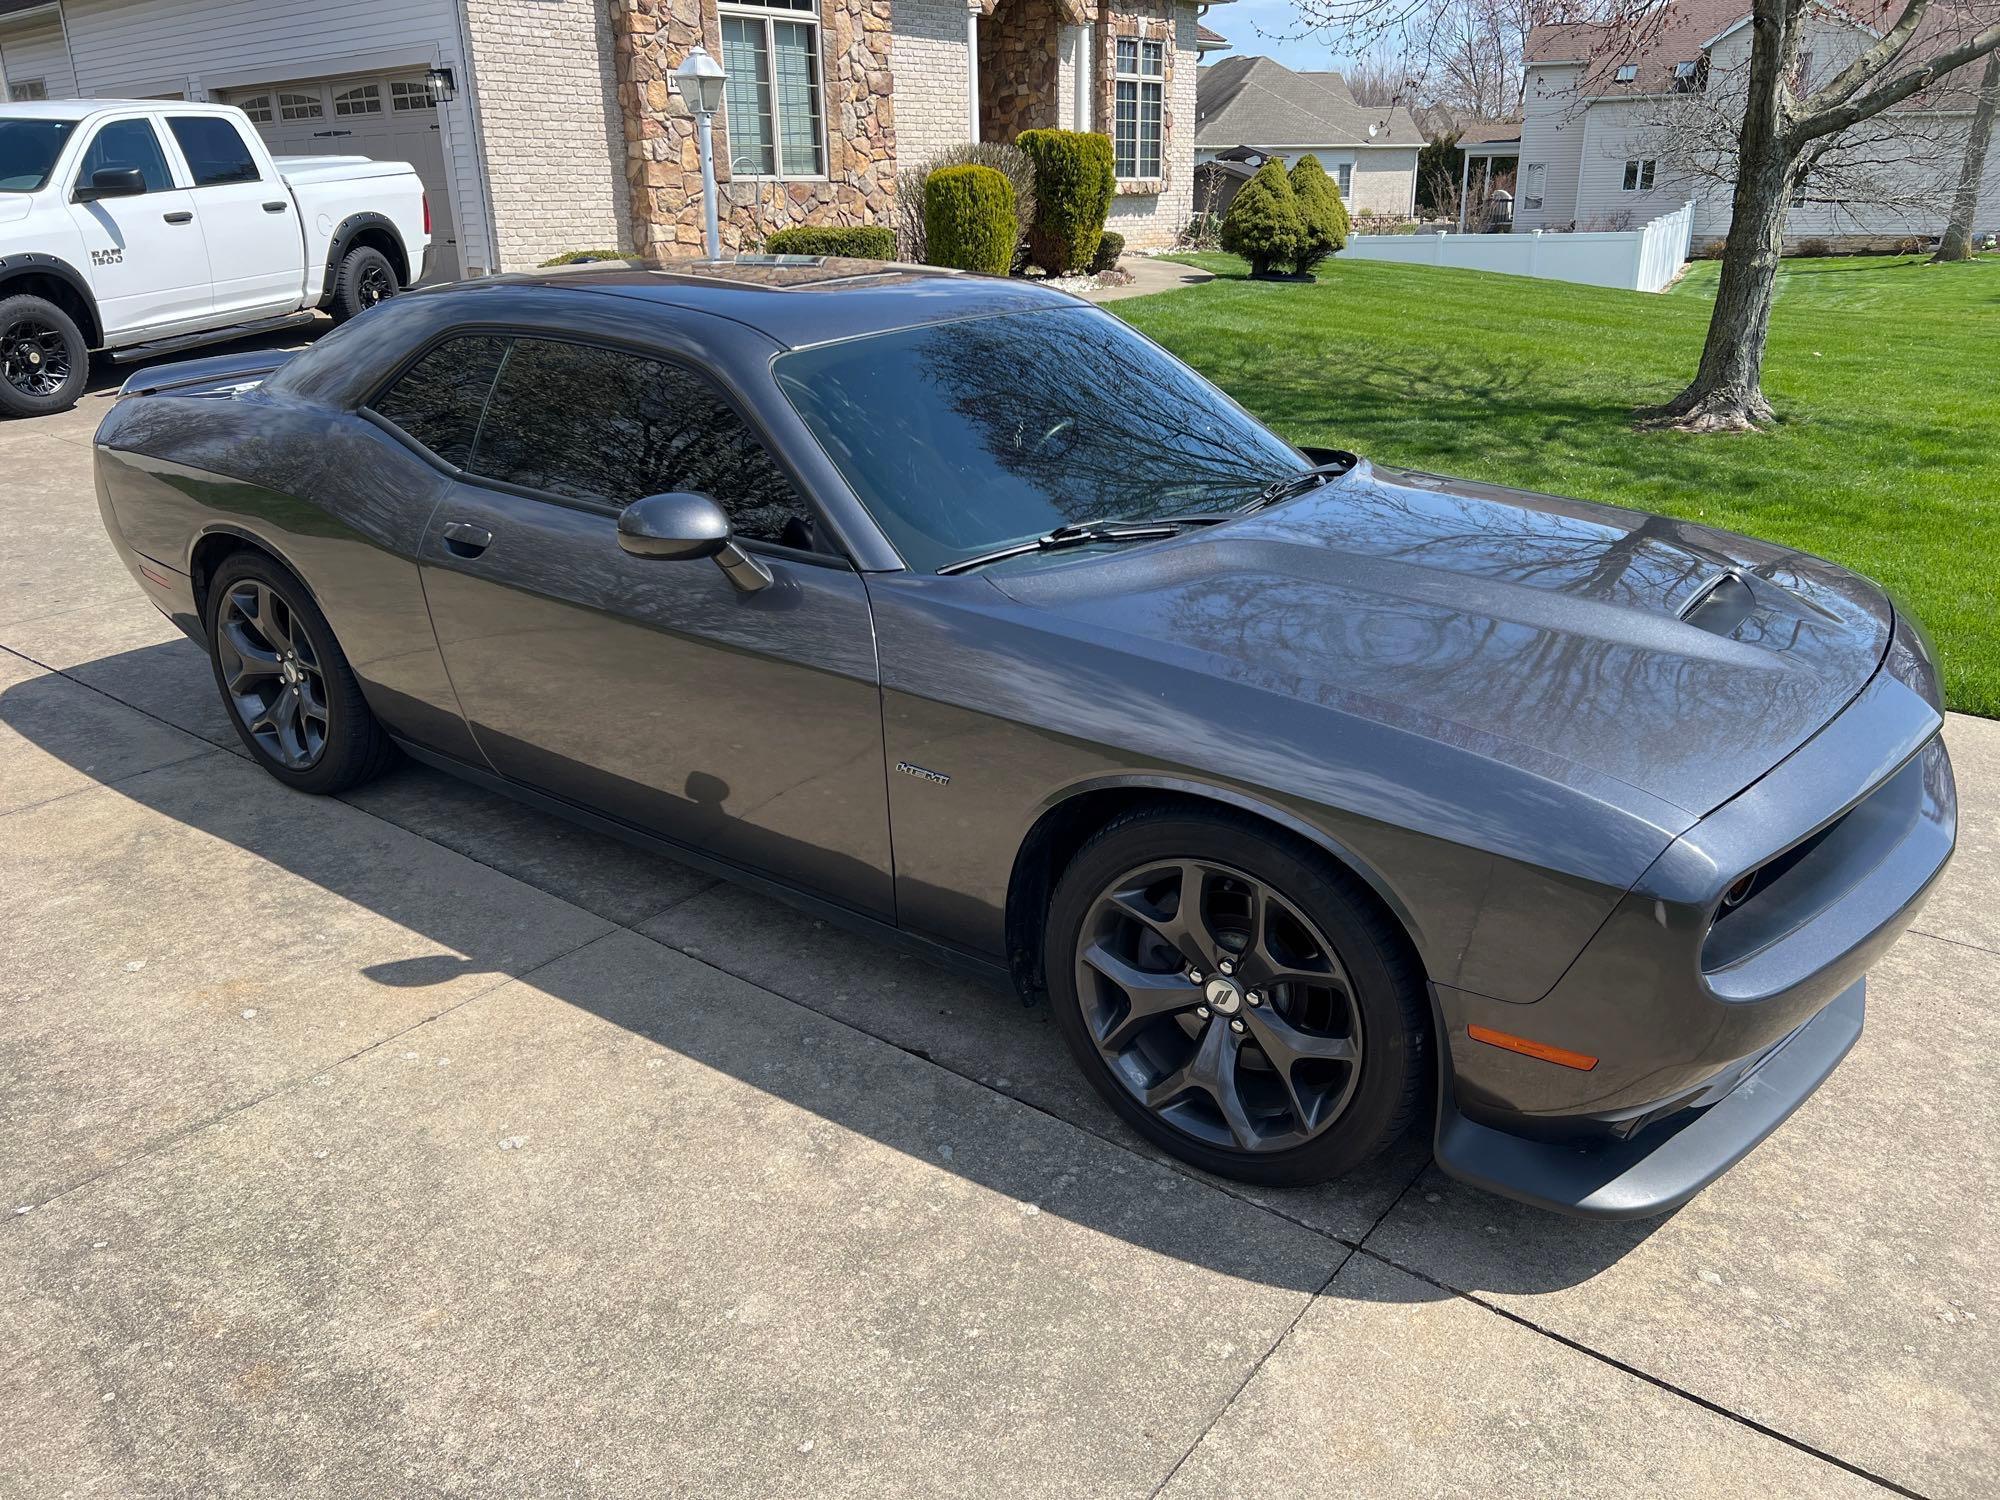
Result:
[[1380, 80], [1786, 132], [1957, 241]]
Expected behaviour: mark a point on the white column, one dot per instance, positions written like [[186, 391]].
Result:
[[1081, 72], [1464, 186], [972, 69]]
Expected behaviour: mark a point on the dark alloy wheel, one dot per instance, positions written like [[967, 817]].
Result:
[[44, 360], [289, 690], [365, 279], [272, 675], [1235, 996], [375, 284]]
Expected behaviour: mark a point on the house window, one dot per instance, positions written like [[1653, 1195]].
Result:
[[1343, 175], [1691, 77], [258, 108], [365, 99], [1626, 72], [300, 107], [407, 94], [23, 89], [1639, 174], [1139, 107], [1533, 175], [772, 101]]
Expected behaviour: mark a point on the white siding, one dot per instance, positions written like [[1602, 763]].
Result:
[[927, 59], [1551, 133], [33, 48], [124, 48]]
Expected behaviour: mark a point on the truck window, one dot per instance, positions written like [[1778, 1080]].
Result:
[[127, 143], [28, 152], [214, 149]]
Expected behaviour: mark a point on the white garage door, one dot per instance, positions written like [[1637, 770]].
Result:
[[390, 118]]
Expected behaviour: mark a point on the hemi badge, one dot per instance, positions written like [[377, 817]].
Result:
[[921, 774]]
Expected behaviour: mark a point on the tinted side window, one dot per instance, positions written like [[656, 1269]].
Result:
[[127, 143], [599, 424], [438, 400], [214, 149]]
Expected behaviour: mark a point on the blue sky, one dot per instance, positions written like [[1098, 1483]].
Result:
[[1254, 26]]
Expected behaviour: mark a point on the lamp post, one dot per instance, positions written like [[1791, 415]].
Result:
[[701, 79]]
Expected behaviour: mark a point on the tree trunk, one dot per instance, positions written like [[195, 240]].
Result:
[[1727, 394], [1957, 241]]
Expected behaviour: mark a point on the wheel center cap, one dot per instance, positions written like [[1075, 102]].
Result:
[[290, 672], [34, 357], [1223, 995]]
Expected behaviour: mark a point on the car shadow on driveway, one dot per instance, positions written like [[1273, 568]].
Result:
[[1547, 1253]]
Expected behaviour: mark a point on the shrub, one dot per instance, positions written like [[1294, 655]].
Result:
[[1008, 161], [583, 257], [1110, 245], [858, 241], [969, 219], [1812, 249], [1074, 182], [1263, 225], [1322, 216]]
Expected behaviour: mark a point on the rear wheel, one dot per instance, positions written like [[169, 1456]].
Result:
[[285, 682], [1237, 998], [365, 278], [44, 358]]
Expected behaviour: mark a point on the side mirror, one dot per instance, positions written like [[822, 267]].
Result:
[[113, 182], [681, 526]]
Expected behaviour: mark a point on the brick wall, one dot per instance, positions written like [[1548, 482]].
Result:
[[928, 59], [551, 137]]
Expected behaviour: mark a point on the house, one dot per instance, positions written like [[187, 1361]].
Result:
[[1609, 126], [1489, 155], [1257, 107], [557, 125]]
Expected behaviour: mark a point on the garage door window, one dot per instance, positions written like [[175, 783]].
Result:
[[300, 106], [407, 95], [214, 150], [125, 144], [364, 100], [258, 109]]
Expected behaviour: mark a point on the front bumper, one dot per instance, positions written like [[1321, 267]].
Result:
[[1662, 1166]]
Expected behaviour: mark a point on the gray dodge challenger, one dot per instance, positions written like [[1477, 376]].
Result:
[[1319, 799]]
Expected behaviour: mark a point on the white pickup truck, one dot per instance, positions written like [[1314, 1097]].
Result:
[[140, 227]]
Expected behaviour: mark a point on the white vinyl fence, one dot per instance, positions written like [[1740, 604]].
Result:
[[1638, 260]]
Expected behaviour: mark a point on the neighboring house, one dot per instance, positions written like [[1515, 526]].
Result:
[[1598, 141], [555, 125], [1254, 106], [1489, 155]]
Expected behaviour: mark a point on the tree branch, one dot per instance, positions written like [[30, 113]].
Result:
[[1866, 65], [1829, 121]]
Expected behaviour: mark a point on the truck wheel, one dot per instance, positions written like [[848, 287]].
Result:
[[366, 277], [44, 358]]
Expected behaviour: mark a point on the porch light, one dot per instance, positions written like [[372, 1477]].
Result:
[[701, 79], [441, 85]]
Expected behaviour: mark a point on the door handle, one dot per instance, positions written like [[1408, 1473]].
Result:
[[463, 539], [183, 217], [276, 208]]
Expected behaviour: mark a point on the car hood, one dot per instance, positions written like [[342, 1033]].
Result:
[[15, 207], [1675, 658]]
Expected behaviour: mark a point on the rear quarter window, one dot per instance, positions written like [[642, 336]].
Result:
[[215, 150], [440, 399]]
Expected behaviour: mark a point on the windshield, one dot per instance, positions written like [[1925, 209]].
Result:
[[963, 437], [28, 152]]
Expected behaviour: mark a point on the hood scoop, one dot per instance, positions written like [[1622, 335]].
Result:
[[1723, 603]]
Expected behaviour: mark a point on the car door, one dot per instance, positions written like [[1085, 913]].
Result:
[[147, 259], [744, 724], [256, 248]]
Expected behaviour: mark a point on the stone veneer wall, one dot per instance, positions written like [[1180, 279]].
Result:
[[1019, 69], [663, 164], [547, 201], [1150, 214]]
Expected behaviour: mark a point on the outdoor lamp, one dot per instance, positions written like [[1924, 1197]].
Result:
[[701, 78], [441, 86]]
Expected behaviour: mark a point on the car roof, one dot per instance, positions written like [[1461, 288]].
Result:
[[796, 300]]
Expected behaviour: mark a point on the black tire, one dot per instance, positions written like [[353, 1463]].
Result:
[[44, 358], [366, 277], [349, 746], [1382, 1091]]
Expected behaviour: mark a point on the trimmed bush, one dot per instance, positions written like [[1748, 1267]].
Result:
[[1110, 246], [969, 219], [583, 257], [1002, 158], [1322, 216], [857, 241], [1074, 183], [1263, 225]]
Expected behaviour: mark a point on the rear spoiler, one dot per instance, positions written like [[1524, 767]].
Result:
[[194, 377]]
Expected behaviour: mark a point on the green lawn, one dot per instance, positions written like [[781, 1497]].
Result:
[[1886, 373]]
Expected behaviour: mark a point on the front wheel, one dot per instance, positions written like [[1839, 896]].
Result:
[[285, 682], [365, 278], [44, 358], [1237, 998]]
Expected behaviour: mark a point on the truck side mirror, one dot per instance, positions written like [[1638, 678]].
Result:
[[113, 182]]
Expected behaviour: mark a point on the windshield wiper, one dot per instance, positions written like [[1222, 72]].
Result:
[[1082, 534], [1295, 484]]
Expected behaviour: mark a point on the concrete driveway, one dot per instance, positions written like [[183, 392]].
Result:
[[414, 1144]]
